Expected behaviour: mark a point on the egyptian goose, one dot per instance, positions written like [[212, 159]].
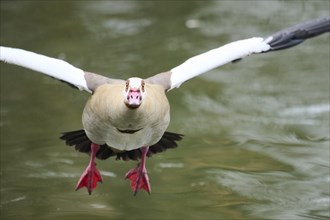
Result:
[[128, 118]]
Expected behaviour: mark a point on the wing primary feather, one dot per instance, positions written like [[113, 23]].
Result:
[[297, 34]]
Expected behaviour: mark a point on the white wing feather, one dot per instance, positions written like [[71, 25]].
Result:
[[50, 66], [214, 58]]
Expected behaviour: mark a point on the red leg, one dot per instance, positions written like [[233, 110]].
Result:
[[91, 175], [138, 175]]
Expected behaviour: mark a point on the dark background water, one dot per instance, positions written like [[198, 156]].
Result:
[[257, 132]]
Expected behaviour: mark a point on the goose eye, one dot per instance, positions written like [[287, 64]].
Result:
[[142, 85], [127, 85]]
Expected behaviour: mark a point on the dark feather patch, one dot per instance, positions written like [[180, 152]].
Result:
[[80, 141], [295, 35]]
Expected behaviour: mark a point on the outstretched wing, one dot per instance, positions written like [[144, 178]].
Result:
[[56, 68], [237, 50]]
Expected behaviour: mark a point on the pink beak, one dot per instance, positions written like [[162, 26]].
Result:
[[134, 98]]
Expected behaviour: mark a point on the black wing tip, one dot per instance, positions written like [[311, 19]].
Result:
[[78, 139], [81, 142], [295, 35], [167, 141]]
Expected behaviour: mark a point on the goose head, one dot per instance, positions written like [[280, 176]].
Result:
[[134, 92]]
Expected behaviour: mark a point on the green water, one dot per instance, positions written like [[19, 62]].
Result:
[[256, 140]]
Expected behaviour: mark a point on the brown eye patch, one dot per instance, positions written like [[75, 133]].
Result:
[[127, 85], [142, 85]]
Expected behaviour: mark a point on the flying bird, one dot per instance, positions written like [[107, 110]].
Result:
[[128, 119]]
